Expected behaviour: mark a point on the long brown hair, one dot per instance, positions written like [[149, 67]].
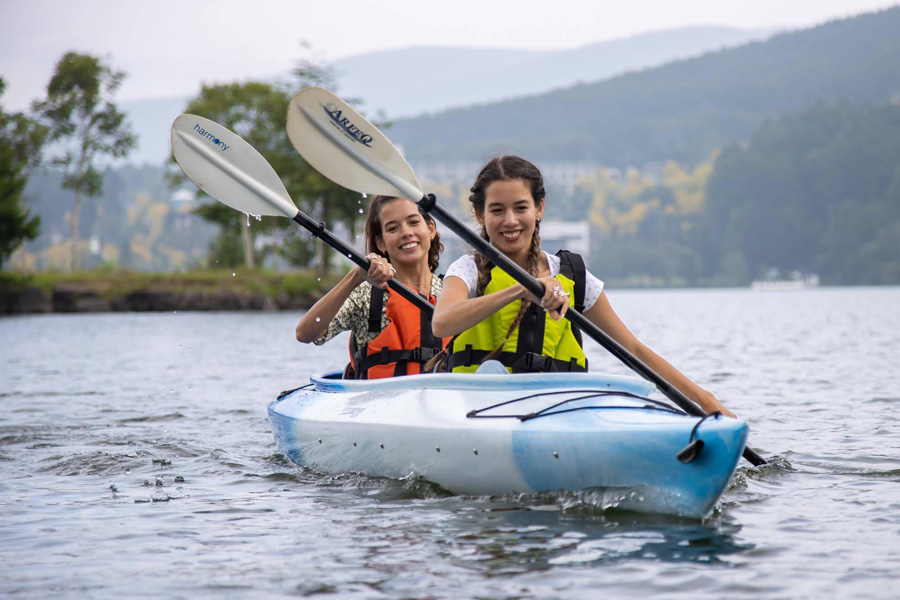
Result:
[[373, 230], [507, 168]]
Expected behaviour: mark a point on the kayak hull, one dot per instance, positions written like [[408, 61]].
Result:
[[507, 434]]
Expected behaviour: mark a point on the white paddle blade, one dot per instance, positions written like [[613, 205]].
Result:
[[344, 147], [229, 169]]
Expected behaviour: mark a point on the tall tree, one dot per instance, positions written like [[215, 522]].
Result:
[[20, 143], [85, 126]]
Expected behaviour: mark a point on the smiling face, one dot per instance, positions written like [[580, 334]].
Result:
[[406, 235], [509, 217]]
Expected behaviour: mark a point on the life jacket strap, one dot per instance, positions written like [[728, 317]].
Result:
[[466, 357], [526, 362], [386, 356], [376, 307]]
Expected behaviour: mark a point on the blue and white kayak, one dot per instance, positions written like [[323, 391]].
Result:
[[497, 434]]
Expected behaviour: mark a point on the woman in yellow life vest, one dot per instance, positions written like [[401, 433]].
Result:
[[390, 336], [493, 317]]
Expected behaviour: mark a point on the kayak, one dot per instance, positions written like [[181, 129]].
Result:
[[498, 434]]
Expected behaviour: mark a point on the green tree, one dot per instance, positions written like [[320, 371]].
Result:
[[84, 127], [20, 143], [814, 191]]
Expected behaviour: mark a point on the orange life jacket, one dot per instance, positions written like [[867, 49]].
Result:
[[403, 347]]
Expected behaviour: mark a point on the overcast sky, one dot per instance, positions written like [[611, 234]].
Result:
[[168, 47]]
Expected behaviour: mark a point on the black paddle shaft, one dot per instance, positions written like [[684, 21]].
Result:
[[429, 204], [318, 230]]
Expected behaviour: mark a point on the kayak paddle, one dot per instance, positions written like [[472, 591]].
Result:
[[229, 169], [344, 147]]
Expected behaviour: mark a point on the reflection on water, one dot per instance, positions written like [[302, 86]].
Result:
[[538, 538]]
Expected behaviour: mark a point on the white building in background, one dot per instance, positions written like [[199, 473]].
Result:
[[572, 236], [184, 201], [182, 195], [559, 174]]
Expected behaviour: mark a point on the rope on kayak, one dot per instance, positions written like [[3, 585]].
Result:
[[690, 452], [546, 412], [289, 392]]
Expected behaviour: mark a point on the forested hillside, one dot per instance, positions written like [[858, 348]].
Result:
[[133, 223], [817, 191], [681, 111]]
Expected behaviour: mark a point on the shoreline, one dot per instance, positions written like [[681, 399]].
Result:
[[92, 292]]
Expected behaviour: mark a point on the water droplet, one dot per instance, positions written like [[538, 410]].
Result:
[[361, 211], [128, 471], [248, 219], [232, 274], [318, 279], [258, 217], [365, 196], [318, 319]]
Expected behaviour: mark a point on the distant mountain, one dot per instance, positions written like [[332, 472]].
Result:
[[680, 111], [412, 81], [415, 80]]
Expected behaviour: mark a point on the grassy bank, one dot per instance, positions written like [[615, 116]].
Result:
[[121, 289]]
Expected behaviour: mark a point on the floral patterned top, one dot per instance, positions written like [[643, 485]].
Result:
[[354, 314]]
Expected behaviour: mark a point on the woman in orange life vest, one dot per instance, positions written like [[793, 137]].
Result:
[[508, 200], [389, 335]]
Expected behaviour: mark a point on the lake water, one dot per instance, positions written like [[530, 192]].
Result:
[[136, 461]]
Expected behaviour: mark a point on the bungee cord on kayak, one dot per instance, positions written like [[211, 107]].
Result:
[[657, 405]]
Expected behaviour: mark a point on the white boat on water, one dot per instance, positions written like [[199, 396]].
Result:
[[484, 434], [797, 281]]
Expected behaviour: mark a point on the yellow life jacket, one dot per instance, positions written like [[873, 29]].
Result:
[[539, 343]]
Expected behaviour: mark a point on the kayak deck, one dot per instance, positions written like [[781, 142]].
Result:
[[497, 434]]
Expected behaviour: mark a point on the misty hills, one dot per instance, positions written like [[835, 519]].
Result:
[[412, 81], [680, 111]]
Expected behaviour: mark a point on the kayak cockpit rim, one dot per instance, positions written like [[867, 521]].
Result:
[[332, 381]]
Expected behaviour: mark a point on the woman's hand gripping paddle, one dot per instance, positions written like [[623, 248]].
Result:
[[229, 169], [343, 146]]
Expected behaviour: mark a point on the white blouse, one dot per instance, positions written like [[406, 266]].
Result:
[[464, 268]]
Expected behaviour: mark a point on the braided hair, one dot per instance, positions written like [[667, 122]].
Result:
[[507, 168]]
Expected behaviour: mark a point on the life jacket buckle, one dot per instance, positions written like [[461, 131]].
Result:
[[423, 354], [535, 362]]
